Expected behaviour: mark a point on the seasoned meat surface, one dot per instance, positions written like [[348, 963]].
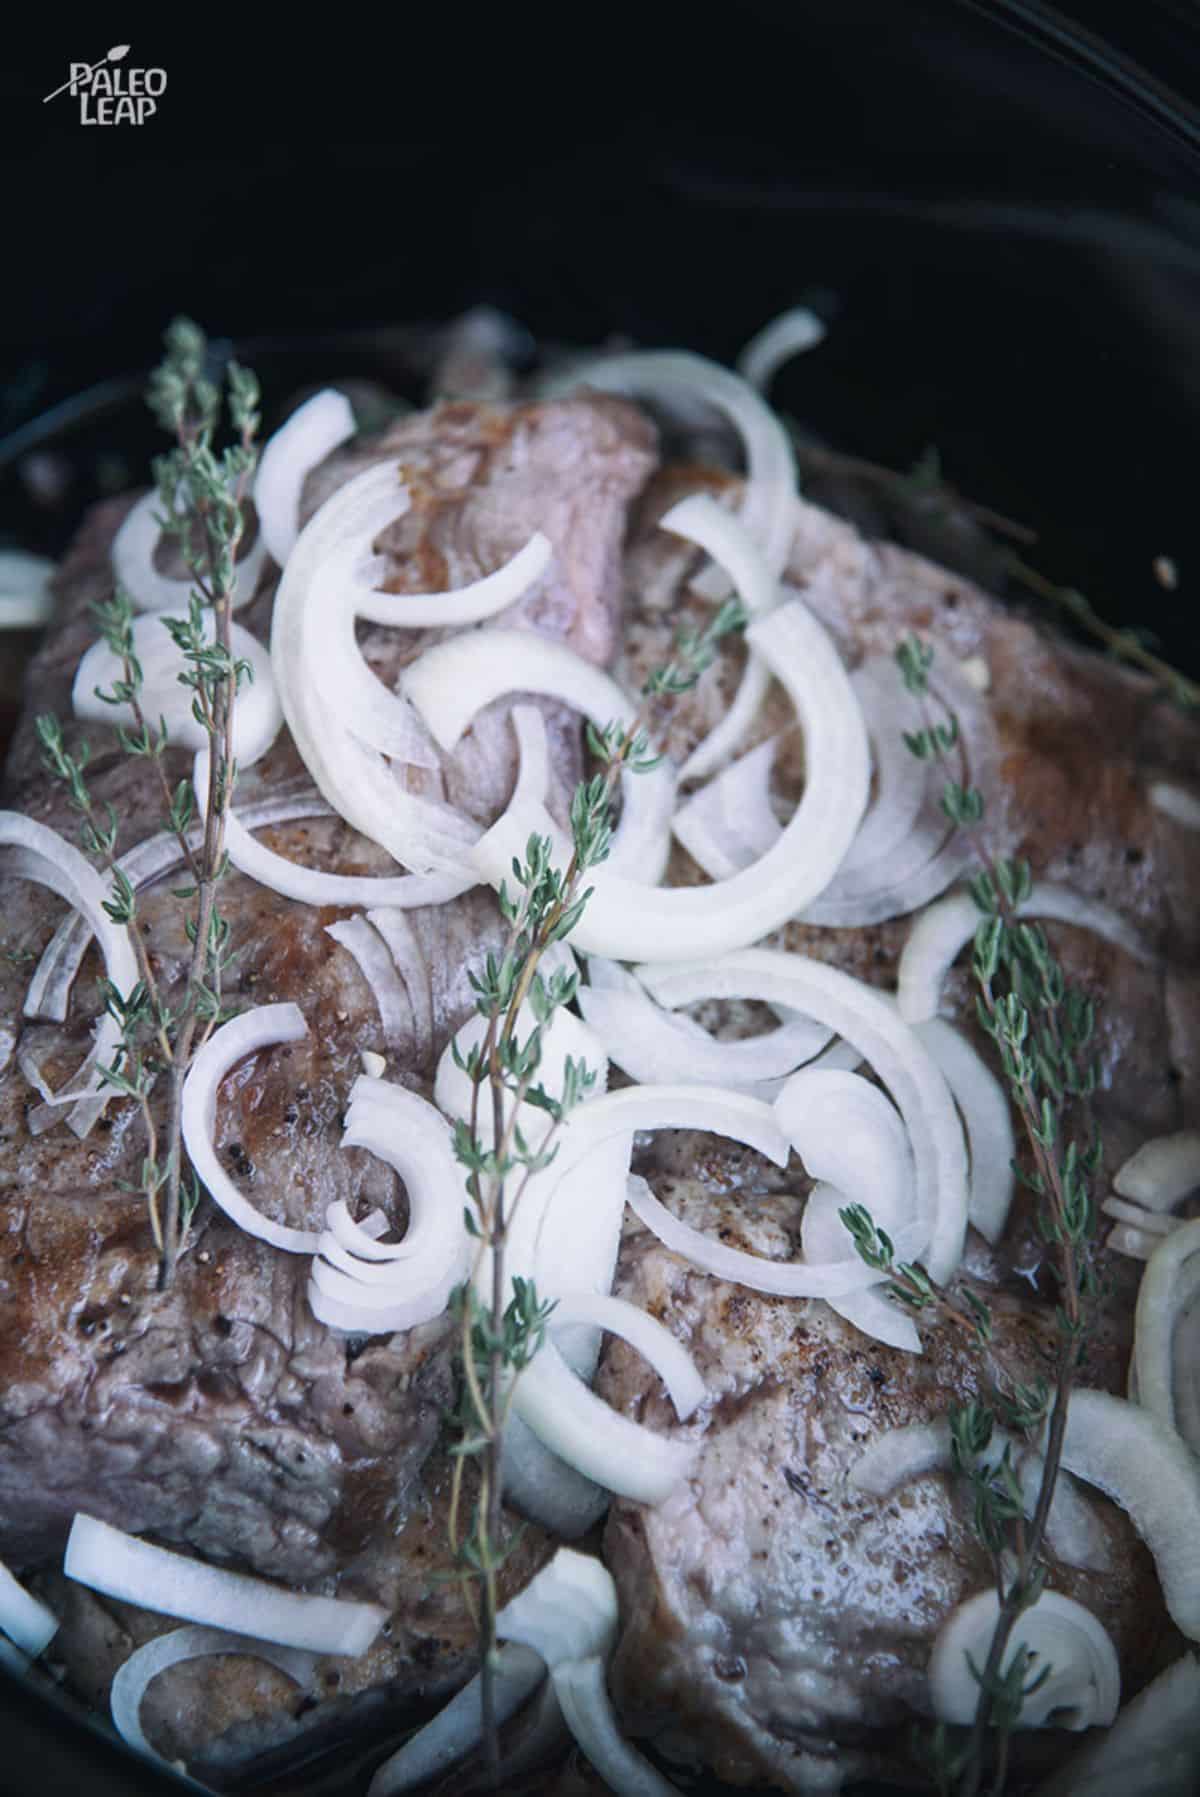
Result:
[[776, 1624], [220, 1416]]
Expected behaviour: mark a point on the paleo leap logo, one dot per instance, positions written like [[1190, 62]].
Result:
[[112, 96]]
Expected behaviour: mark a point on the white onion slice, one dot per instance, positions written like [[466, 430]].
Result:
[[1084, 1686], [770, 488], [847, 1132], [568, 1610], [729, 823], [544, 1487], [583, 1695], [410, 963], [262, 1027], [568, 1418], [533, 754], [702, 521], [1074, 1533], [1127, 1239], [564, 1035], [309, 886], [133, 567], [1147, 1222], [940, 935], [1147, 1469], [314, 430], [46, 858], [1164, 1170], [24, 1618], [900, 779], [659, 1047], [626, 921], [787, 335], [455, 679], [18, 1663], [1176, 802], [895, 872], [987, 1118], [1169, 1285], [473, 604], [652, 1339], [362, 1285], [374, 961], [137, 1572], [257, 714], [869, 1023], [457, 1728], [143, 1666], [26, 602], [313, 649], [49, 990]]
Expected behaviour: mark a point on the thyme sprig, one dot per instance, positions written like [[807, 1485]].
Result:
[[1041, 1028], [202, 495], [500, 1335]]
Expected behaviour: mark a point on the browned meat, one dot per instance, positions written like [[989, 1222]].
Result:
[[777, 1626], [221, 1416]]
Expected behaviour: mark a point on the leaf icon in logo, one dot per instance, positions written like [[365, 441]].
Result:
[[118, 53]]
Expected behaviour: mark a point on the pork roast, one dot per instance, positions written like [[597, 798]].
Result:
[[775, 1627]]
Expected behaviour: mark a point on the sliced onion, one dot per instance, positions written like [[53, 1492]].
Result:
[[626, 921], [545, 1488], [46, 858], [133, 567], [1151, 1750], [568, 1610], [987, 1118], [1169, 1285], [314, 430], [702, 521], [1147, 1469], [659, 1047], [26, 601], [143, 1666], [729, 823], [946, 928], [1127, 1239], [533, 754], [569, 1419], [770, 488], [374, 961], [880, 882], [1084, 1686], [457, 1728], [847, 1132], [166, 701], [359, 1284], [24, 1618], [869, 1023], [137, 1572], [1147, 1222], [787, 335], [472, 604], [309, 886], [49, 990], [1074, 1533], [410, 963], [313, 652], [583, 1695], [562, 1037], [455, 679], [1176, 802], [261, 1027], [652, 1339], [1164, 1170]]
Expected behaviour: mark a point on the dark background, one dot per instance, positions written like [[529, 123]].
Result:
[[996, 206]]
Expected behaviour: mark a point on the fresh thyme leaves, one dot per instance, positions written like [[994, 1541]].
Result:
[[1041, 1028], [499, 1334], [202, 493]]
